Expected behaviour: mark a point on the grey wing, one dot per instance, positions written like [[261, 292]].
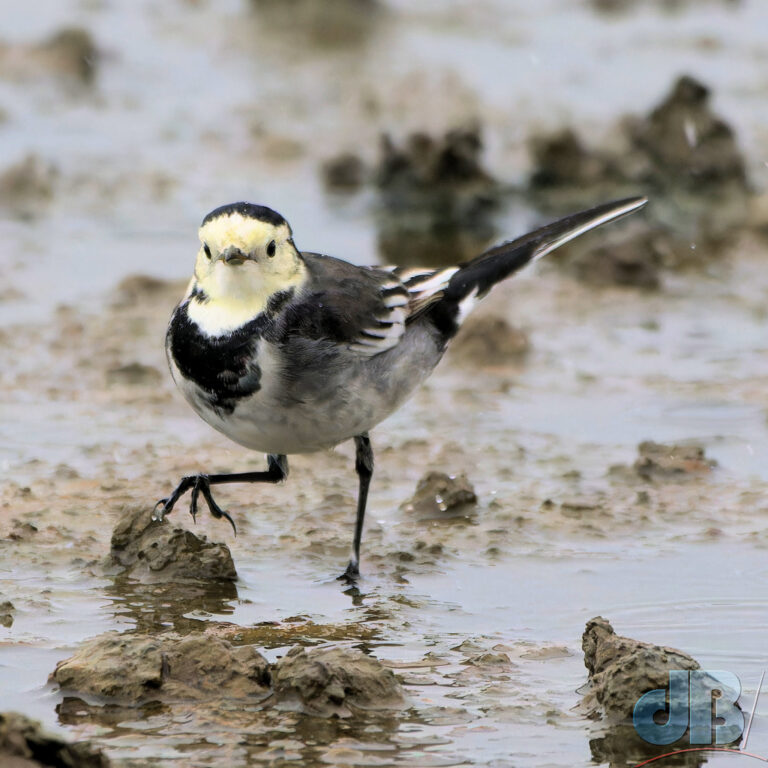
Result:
[[364, 308], [359, 308]]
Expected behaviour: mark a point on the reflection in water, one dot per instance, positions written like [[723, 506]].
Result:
[[246, 735], [620, 746], [159, 607], [428, 242], [75, 711], [608, 371], [436, 200], [245, 732]]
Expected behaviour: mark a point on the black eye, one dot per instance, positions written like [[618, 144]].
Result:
[[271, 248], [207, 250]]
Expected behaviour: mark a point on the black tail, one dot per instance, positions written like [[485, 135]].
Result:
[[475, 278]]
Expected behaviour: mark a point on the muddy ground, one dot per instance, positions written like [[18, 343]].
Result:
[[535, 418]]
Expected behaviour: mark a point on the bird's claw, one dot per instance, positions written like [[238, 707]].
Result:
[[158, 515], [198, 484], [215, 509], [193, 499], [229, 519]]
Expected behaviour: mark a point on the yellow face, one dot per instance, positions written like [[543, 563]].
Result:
[[241, 264]]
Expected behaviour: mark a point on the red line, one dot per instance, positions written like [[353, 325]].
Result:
[[703, 749]]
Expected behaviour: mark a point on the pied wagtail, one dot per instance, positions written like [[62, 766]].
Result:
[[286, 351]]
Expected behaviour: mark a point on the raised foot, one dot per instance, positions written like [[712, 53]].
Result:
[[197, 484]]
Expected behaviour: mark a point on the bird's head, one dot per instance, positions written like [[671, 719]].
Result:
[[246, 256]]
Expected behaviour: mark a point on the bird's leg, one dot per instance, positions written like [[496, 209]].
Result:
[[364, 469], [201, 483]]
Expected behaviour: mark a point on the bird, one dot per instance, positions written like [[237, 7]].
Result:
[[291, 352]]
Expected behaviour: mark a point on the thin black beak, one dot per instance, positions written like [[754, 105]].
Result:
[[233, 255]]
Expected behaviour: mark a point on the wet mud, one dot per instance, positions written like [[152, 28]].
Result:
[[27, 187], [435, 199], [334, 682], [6, 612], [684, 156], [621, 670], [585, 448], [143, 548], [135, 669], [177, 581], [489, 340], [68, 54], [344, 173], [623, 6], [671, 461], [438, 494], [328, 25], [680, 146], [24, 744]]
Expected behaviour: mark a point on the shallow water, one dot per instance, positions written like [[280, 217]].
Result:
[[195, 105]]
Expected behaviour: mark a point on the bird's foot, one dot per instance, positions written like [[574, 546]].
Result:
[[165, 506], [198, 484], [351, 574], [215, 509]]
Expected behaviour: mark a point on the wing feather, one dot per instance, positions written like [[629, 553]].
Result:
[[424, 286], [386, 326], [365, 309], [405, 295]]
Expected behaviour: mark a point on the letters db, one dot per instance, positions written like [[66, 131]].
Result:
[[701, 701]]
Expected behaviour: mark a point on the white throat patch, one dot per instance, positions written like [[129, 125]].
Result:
[[217, 318]]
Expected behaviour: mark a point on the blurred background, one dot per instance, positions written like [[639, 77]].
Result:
[[381, 130], [388, 131]]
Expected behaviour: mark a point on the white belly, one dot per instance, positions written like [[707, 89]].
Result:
[[259, 425], [332, 406]]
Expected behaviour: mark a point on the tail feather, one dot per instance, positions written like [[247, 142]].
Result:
[[475, 279]]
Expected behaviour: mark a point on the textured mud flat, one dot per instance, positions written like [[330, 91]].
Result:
[[23, 744], [593, 444], [492, 536]]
